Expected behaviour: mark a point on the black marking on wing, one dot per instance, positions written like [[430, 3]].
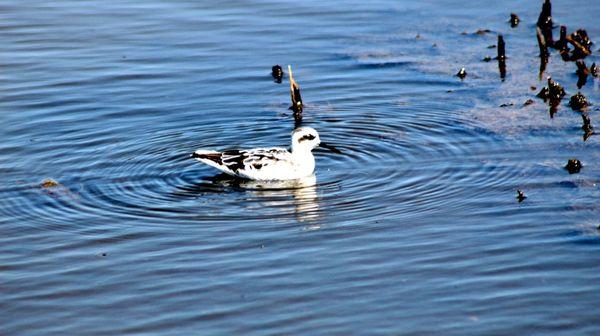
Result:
[[234, 159], [215, 157], [239, 160], [307, 137]]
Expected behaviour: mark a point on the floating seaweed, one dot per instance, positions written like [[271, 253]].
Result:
[[54, 188], [520, 195], [277, 73], [582, 45], [578, 102], [552, 94], [501, 57], [587, 127], [49, 183], [562, 43], [514, 20], [543, 94], [573, 166], [296, 98], [582, 73], [545, 22], [544, 54], [553, 91]]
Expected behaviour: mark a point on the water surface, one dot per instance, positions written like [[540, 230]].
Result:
[[415, 229]]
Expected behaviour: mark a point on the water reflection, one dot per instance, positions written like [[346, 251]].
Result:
[[299, 195]]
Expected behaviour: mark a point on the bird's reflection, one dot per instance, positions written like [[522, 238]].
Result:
[[301, 193]]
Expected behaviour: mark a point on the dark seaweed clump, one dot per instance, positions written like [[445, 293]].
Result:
[[578, 102], [578, 40], [277, 73], [514, 20], [501, 57], [296, 98], [588, 129], [544, 22], [552, 94], [582, 45], [553, 91], [573, 166], [582, 73], [520, 195]]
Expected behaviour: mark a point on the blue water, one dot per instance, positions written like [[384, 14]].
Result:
[[414, 229]]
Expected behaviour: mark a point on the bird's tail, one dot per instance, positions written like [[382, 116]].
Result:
[[211, 158], [211, 155]]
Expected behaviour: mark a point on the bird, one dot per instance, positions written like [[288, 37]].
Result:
[[274, 163]]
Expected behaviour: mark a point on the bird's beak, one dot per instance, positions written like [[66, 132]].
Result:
[[330, 147]]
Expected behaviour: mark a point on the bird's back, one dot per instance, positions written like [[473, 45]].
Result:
[[257, 164]]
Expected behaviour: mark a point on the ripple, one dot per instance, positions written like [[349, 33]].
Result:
[[415, 156]]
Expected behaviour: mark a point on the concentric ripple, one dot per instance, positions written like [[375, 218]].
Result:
[[415, 156]]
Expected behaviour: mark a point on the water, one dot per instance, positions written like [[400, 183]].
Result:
[[415, 229]]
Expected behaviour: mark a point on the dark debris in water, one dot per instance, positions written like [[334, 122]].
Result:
[[579, 40], [277, 73], [582, 73], [578, 102], [520, 195], [501, 57], [487, 59], [528, 102], [553, 91], [553, 94], [543, 93], [582, 45], [587, 127], [462, 73], [514, 20], [295, 96], [562, 43], [573, 166], [544, 22], [594, 70], [544, 54]]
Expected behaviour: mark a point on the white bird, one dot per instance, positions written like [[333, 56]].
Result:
[[269, 163]]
